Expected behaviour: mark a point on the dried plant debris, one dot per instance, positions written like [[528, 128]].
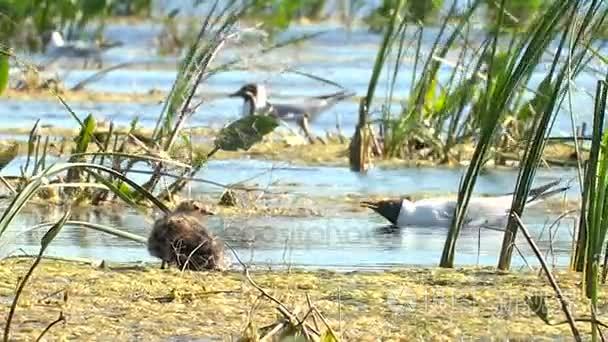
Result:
[[417, 303], [229, 198]]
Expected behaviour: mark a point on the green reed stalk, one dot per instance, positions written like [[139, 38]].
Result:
[[360, 143], [545, 104], [578, 262], [595, 201], [423, 103], [383, 51], [502, 85], [216, 28]]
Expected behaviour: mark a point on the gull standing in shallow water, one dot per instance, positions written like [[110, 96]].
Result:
[[438, 211], [255, 102]]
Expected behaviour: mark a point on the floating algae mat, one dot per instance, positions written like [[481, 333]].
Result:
[[132, 302]]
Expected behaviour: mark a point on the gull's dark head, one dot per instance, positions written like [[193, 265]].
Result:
[[249, 90], [389, 209]]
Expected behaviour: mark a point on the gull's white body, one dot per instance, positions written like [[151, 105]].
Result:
[[255, 102], [294, 111], [57, 39], [438, 211]]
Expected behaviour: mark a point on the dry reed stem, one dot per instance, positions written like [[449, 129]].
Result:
[[552, 281], [59, 319], [282, 308]]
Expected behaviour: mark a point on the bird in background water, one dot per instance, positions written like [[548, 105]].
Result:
[[57, 48], [303, 111]]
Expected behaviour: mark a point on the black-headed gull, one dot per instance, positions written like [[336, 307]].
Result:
[[255, 101], [438, 211]]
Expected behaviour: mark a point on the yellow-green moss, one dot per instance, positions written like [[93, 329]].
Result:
[[150, 304]]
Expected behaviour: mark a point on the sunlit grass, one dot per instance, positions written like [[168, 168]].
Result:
[[551, 92], [507, 74]]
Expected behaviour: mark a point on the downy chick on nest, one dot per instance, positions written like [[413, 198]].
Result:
[[181, 238]]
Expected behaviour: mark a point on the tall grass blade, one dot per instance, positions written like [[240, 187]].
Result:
[[121, 189], [359, 148], [546, 99], [4, 69], [101, 228], [217, 27], [426, 101], [44, 244], [578, 262], [502, 84], [36, 183], [212, 35], [594, 207]]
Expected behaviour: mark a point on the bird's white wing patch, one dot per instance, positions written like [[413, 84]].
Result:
[[442, 208], [490, 206], [447, 210], [435, 201]]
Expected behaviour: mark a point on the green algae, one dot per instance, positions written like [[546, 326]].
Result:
[[143, 302]]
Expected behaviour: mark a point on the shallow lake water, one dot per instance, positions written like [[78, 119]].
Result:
[[339, 236], [335, 235]]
